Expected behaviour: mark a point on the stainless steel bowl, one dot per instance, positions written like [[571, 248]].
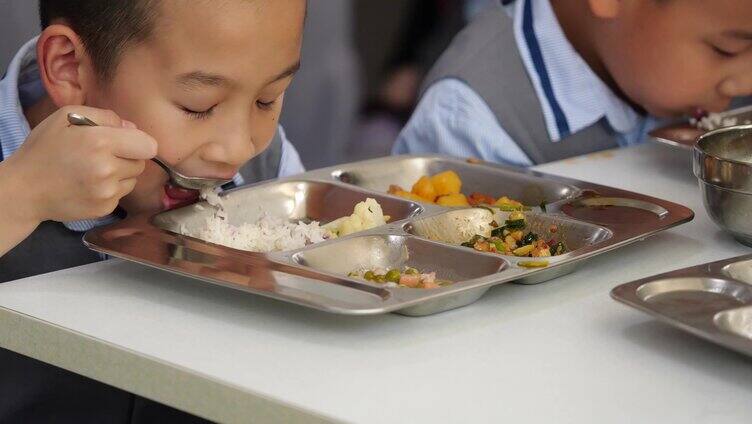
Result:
[[723, 164]]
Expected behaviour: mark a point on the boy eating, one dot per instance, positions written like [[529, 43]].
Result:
[[199, 84], [533, 81]]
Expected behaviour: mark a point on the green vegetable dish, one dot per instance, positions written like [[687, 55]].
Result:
[[512, 239], [404, 277]]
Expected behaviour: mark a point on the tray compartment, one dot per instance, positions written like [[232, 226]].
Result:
[[614, 211], [291, 200], [693, 296], [495, 181], [458, 226], [393, 251]]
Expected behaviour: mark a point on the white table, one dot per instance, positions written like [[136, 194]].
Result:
[[561, 351]]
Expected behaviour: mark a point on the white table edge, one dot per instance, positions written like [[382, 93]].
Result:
[[111, 364]]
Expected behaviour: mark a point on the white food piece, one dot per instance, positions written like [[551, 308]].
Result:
[[366, 215], [212, 198], [456, 227], [714, 121]]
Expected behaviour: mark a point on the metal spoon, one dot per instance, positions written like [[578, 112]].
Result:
[[178, 179]]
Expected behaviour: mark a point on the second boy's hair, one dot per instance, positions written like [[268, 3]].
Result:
[[106, 27]]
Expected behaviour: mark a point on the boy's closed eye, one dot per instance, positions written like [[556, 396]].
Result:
[[731, 43], [203, 113], [720, 51], [198, 114], [202, 92], [266, 105]]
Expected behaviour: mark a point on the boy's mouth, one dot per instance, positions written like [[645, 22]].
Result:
[[175, 196], [699, 113]]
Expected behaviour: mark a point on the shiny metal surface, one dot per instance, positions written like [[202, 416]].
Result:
[[193, 183], [712, 301], [723, 165], [684, 135], [593, 219], [736, 321]]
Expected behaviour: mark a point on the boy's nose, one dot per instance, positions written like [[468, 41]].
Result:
[[737, 85], [233, 150]]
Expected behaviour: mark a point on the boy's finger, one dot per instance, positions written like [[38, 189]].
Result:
[[132, 144], [129, 168], [126, 186]]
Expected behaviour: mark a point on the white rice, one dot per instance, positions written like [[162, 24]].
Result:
[[212, 198], [268, 234], [272, 234], [715, 120]]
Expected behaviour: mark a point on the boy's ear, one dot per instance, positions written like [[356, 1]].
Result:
[[63, 65], [605, 9]]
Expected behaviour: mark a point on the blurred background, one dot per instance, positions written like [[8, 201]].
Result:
[[363, 61]]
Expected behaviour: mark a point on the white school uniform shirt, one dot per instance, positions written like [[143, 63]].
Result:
[[22, 87], [452, 119]]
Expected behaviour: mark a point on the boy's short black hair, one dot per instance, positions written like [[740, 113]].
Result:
[[106, 27]]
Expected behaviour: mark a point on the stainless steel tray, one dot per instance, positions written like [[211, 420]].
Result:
[[592, 219], [683, 135], [712, 301]]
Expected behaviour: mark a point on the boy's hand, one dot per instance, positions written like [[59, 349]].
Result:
[[75, 172]]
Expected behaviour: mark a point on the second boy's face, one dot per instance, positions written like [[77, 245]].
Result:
[[208, 86], [674, 56]]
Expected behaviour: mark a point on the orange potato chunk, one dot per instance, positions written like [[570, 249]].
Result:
[[447, 182], [450, 200], [424, 188]]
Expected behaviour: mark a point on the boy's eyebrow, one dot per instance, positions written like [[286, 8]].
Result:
[[192, 79], [291, 70]]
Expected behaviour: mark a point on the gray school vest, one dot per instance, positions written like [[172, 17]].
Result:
[[52, 246], [484, 55]]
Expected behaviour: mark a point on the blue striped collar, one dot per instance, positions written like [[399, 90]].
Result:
[[572, 96], [13, 125], [22, 87]]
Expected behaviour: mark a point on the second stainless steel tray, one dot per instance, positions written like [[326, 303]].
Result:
[[712, 301], [683, 135]]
